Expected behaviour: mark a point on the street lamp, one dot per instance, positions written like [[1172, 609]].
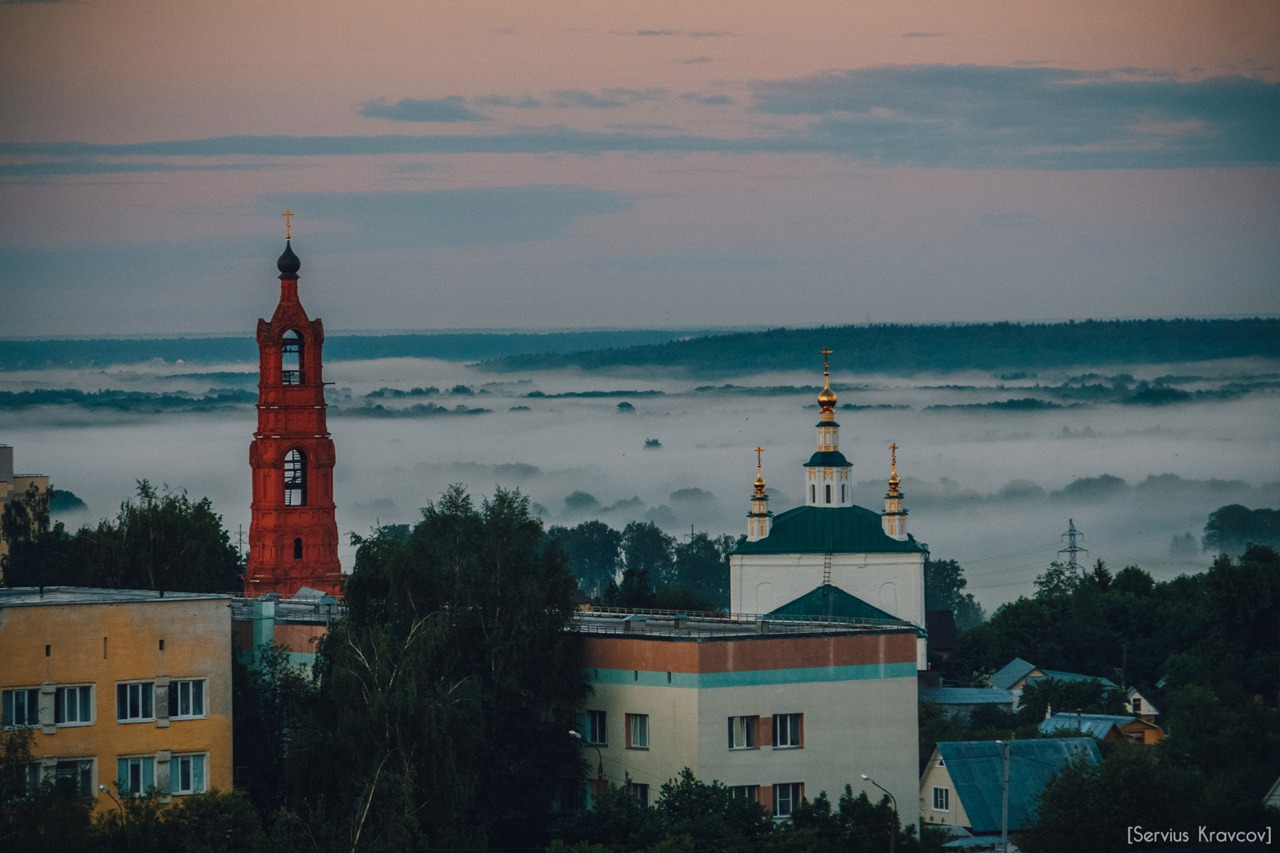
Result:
[[893, 831], [599, 759], [104, 789]]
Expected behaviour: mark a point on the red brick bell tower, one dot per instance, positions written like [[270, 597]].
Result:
[[293, 536]]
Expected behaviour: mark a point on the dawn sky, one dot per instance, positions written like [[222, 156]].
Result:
[[555, 164]]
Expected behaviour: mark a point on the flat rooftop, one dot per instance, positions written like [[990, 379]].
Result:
[[34, 596], [671, 624]]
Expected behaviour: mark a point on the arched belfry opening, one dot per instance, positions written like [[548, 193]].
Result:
[[292, 455], [291, 358], [295, 478]]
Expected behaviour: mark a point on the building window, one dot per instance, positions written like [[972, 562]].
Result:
[[637, 731], [186, 699], [295, 478], [291, 358], [742, 732], [942, 799], [1137, 705], [596, 732], [786, 797], [134, 702], [844, 494], [788, 731], [641, 792], [135, 776], [297, 548], [28, 780], [745, 792], [21, 708], [186, 774], [73, 706], [77, 774], [813, 494], [828, 491]]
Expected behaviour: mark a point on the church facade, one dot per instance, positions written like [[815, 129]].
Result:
[[293, 531], [828, 557]]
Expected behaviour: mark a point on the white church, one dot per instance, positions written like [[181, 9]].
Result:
[[830, 558]]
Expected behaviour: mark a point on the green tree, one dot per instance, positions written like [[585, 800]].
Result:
[[1087, 697], [447, 694], [161, 541], [1089, 806], [648, 551], [39, 817], [1230, 529], [594, 550], [944, 584]]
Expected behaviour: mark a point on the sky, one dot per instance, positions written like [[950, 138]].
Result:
[[565, 163]]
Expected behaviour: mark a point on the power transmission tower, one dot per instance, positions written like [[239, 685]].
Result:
[[1072, 549]]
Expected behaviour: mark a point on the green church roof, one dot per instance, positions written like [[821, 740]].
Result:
[[818, 530], [829, 601], [827, 459]]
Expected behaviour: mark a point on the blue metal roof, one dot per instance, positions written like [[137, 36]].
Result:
[[1059, 675], [966, 696], [1009, 674], [1094, 725], [977, 771]]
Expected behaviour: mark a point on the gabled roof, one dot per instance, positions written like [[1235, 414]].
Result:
[[966, 696], [1059, 675], [1011, 673], [977, 771], [828, 601], [818, 530], [1094, 725]]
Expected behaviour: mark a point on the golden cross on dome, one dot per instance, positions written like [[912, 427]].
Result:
[[759, 450], [893, 448], [826, 351], [288, 215]]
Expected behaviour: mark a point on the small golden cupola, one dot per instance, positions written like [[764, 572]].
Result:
[[827, 473], [894, 517], [758, 518]]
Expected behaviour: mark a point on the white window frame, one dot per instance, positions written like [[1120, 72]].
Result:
[[30, 700], [745, 792], [596, 732], [192, 686], [639, 724], [83, 705], [197, 785], [742, 732], [794, 794], [640, 791], [786, 736], [143, 763], [146, 699], [941, 799]]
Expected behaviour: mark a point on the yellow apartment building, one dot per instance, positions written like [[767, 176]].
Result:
[[125, 690]]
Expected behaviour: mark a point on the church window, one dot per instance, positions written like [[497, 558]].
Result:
[[828, 488], [813, 494], [297, 548], [844, 493], [295, 479], [291, 358]]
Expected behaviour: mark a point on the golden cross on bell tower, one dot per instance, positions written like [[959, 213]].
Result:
[[893, 448], [826, 369], [759, 450], [288, 216]]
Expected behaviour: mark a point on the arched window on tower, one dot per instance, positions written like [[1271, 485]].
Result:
[[295, 479], [297, 548], [828, 488], [291, 358]]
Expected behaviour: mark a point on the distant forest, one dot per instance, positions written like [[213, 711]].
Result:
[[451, 346], [912, 349], [895, 349]]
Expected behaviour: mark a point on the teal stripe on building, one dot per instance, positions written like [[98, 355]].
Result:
[[754, 677]]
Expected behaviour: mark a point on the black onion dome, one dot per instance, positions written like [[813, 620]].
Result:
[[288, 264]]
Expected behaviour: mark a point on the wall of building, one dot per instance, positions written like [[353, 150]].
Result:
[[856, 692], [936, 776], [104, 644]]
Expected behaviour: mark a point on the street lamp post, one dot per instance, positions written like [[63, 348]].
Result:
[[599, 759], [104, 789], [893, 830]]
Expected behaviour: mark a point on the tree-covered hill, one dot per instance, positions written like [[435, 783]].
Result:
[[910, 349]]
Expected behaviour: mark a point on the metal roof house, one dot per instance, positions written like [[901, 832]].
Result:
[[1110, 727], [963, 782]]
